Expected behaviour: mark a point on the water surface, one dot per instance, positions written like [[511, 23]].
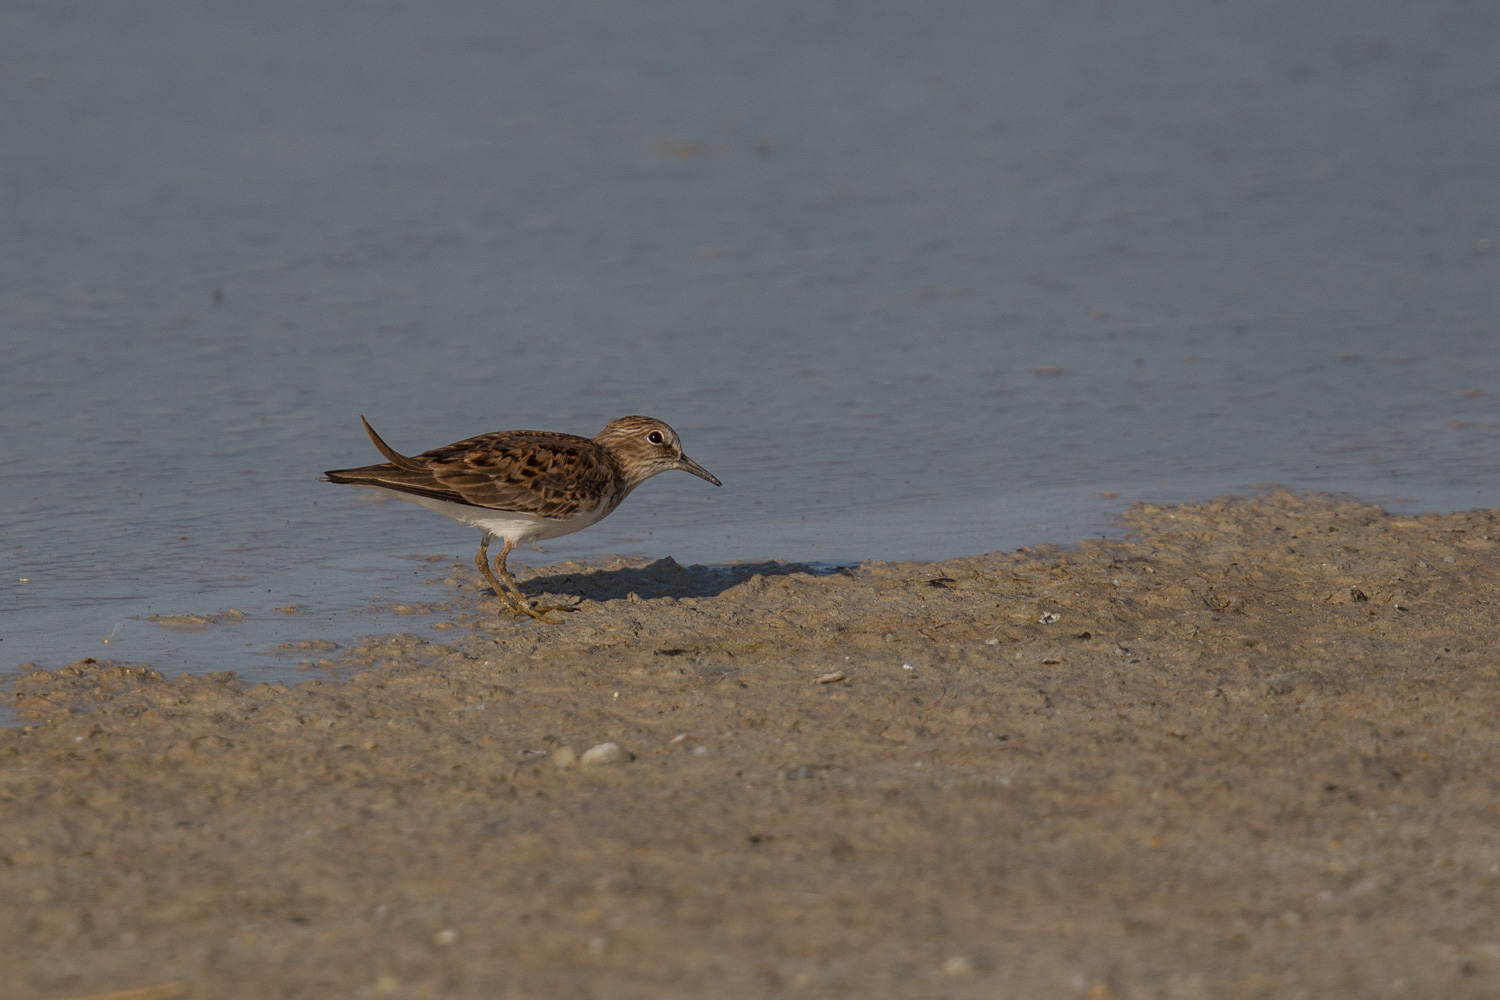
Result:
[[913, 280]]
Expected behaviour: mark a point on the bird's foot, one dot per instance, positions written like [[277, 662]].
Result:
[[522, 608]]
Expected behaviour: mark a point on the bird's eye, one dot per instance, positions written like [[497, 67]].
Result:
[[654, 437]]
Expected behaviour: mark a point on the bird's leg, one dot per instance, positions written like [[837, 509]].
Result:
[[482, 560], [522, 606]]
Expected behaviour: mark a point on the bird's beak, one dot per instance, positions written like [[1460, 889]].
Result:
[[688, 465]]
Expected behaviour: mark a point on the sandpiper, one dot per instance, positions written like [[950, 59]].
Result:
[[523, 486]]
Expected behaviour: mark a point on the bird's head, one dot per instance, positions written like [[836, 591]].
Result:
[[646, 446]]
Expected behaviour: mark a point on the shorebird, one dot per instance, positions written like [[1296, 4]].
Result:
[[524, 486]]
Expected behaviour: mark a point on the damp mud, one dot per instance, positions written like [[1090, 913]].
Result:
[[1248, 750]]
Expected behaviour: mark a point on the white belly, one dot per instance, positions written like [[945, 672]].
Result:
[[511, 525]]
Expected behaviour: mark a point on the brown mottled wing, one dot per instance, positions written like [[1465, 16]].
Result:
[[535, 472], [538, 472]]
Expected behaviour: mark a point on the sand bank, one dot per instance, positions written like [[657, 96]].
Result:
[[1248, 751]]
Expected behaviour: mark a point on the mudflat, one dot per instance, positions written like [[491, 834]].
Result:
[[1249, 750]]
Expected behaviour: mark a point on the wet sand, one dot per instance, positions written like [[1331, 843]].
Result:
[[1247, 751]]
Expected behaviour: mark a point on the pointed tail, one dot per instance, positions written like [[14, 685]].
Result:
[[393, 456]]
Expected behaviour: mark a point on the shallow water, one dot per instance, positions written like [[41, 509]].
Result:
[[913, 281]]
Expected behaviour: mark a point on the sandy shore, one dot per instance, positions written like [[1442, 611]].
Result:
[[1249, 751]]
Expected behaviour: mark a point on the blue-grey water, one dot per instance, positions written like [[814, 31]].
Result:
[[914, 280]]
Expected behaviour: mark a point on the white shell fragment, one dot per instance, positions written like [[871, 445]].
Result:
[[606, 753]]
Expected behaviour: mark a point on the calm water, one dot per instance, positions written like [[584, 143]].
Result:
[[914, 280]]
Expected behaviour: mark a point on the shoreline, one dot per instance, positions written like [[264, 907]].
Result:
[[1246, 750]]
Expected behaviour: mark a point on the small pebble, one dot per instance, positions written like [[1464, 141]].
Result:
[[1049, 618], [605, 753], [832, 678], [992, 642], [564, 757], [958, 965]]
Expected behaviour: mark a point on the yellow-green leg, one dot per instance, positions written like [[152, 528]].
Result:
[[482, 560], [510, 594]]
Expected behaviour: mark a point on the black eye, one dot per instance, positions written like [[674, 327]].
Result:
[[654, 437]]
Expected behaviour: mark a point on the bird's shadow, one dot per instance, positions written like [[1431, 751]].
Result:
[[662, 578]]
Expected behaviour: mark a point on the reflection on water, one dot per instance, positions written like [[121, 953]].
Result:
[[912, 286]]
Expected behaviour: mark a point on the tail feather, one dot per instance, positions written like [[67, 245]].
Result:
[[407, 476], [393, 456]]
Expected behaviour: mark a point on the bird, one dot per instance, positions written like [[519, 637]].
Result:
[[525, 486]]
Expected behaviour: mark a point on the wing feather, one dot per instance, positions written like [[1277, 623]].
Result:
[[534, 472]]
